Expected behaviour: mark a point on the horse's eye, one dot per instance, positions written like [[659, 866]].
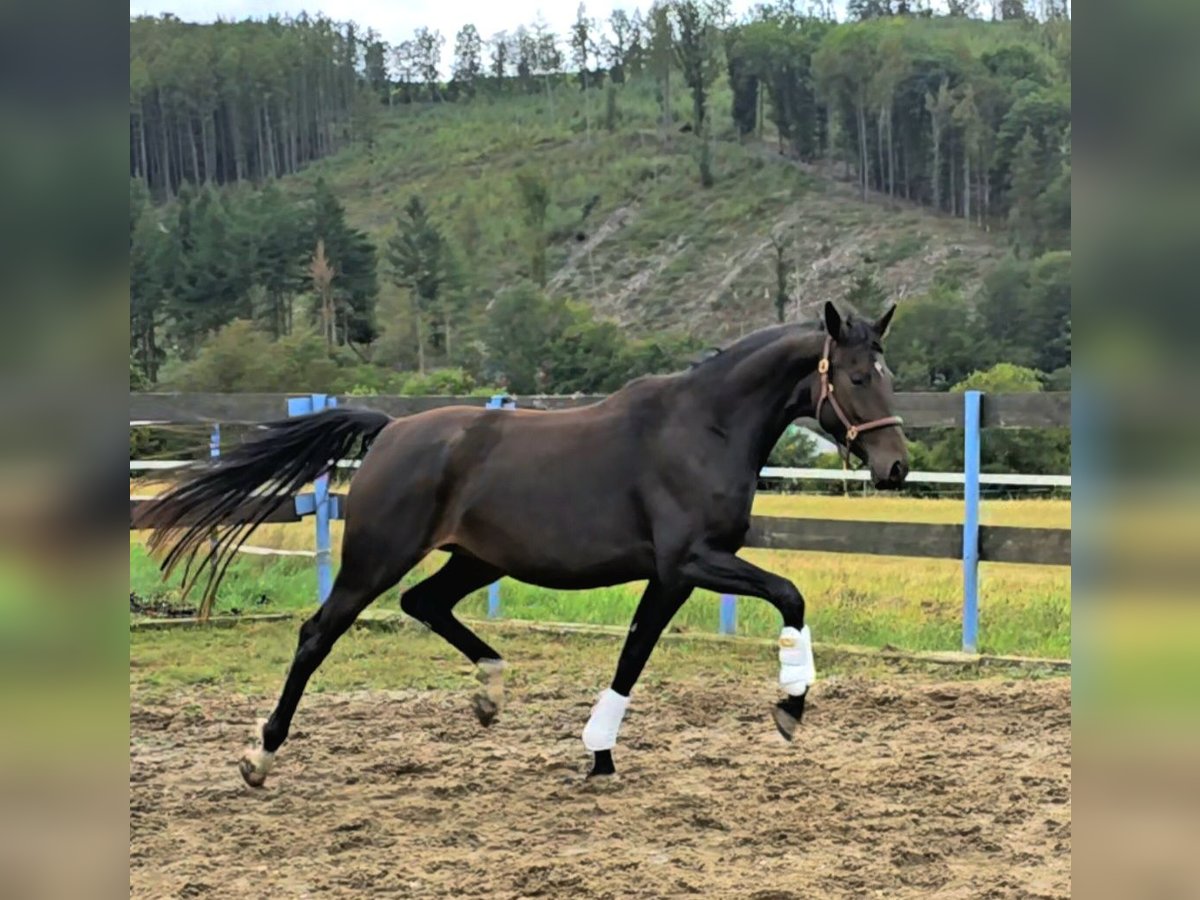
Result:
[[860, 380]]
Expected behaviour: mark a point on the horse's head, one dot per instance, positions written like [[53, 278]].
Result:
[[855, 401]]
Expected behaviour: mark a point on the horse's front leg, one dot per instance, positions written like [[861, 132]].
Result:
[[721, 571], [654, 611]]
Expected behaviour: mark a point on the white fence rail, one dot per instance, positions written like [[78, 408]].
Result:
[[783, 473]]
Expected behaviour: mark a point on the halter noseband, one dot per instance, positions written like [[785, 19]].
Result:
[[852, 431]]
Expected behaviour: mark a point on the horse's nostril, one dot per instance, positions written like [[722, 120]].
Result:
[[899, 470]]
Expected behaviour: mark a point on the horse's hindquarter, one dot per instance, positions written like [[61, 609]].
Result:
[[549, 497]]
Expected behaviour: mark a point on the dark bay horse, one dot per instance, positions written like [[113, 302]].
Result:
[[654, 483]]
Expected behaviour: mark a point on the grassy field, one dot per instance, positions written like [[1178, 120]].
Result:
[[871, 600]]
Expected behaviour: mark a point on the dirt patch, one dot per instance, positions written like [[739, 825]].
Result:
[[907, 787]]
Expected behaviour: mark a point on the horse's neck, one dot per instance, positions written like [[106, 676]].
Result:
[[762, 393]]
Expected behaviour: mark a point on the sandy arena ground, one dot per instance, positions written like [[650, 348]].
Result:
[[899, 787]]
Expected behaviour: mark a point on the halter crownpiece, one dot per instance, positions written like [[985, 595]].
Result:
[[852, 431]]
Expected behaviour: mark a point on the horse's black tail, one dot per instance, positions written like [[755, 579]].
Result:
[[242, 488]]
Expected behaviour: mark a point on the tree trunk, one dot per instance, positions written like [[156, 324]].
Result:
[[955, 193], [829, 138], [205, 148], [420, 339], [862, 148], [979, 191], [239, 148], [327, 315], [271, 143], [195, 153], [587, 116], [179, 165], [321, 120], [142, 144], [165, 161], [879, 150], [966, 185], [667, 99], [987, 203], [761, 108], [891, 157], [937, 168], [261, 168]]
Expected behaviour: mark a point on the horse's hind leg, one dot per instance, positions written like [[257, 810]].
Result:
[[362, 577], [432, 602]]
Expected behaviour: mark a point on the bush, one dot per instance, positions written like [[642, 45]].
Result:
[[796, 449], [445, 383], [365, 380], [239, 357], [1045, 451]]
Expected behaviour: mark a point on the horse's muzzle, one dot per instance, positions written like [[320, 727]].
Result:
[[895, 477]]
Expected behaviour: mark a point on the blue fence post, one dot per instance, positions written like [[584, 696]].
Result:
[[728, 624], [970, 552], [323, 514], [214, 452], [320, 500], [497, 401]]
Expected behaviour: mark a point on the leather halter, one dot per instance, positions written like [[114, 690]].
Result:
[[827, 395]]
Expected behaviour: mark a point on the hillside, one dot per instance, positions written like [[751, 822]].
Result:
[[594, 206], [655, 250]]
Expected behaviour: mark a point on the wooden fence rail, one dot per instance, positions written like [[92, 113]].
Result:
[[1037, 546], [919, 410]]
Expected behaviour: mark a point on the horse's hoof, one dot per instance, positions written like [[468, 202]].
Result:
[[602, 766], [785, 722], [252, 774], [603, 778], [256, 762], [489, 673], [787, 715], [601, 784], [485, 708]]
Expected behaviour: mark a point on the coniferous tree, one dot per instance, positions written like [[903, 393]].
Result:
[[534, 195], [352, 256], [695, 52], [418, 259], [1028, 179]]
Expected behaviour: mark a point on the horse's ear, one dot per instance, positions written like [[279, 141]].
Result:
[[833, 321], [885, 321]]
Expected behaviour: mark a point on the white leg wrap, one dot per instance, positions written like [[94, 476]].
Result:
[[600, 733], [796, 667], [261, 759], [256, 761]]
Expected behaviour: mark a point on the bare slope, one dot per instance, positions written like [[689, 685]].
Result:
[[655, 249]]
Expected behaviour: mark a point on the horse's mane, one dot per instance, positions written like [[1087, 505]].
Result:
[[751, 343], [856, 328]]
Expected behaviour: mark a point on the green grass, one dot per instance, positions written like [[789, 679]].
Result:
[[904, 247], [868, 600], [164, 661]]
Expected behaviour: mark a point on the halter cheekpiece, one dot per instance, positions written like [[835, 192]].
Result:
[[827, 395]]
